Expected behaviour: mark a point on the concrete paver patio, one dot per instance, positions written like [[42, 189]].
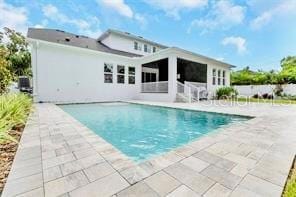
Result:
[[58, 156]]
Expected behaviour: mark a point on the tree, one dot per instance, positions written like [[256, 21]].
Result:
[[18, 53], [5, 74], [288, 72], [249, 77], [15, 58], [288, 61], [242, 77]]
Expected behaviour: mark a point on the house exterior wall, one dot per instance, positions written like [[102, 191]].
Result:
[[122, 43], [212, 88], [65, 74]]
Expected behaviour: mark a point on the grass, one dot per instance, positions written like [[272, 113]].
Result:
[[290, 189], [14, 110], [275, 101]]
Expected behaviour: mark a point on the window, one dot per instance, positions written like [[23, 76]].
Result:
[[223, 77], [149, 49], [154, 49], [219, 77], [140, 47], [108, 73], [131, 75], [145, 48], [120, 69], [120, 73], [214, 76], [131, 70], [136, 46]]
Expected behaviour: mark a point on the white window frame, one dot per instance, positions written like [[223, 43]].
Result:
[[223, 77], [219, 77], [146, 48], [121, 74], [136, 45], [214, 74], [139, 46], [153, 49], [131, 75], [108, 73]]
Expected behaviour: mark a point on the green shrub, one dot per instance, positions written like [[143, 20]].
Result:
[[278, 91], [226, 92], [290, 189], [14, 110]]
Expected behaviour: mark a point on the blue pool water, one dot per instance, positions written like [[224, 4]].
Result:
[[142, 131]]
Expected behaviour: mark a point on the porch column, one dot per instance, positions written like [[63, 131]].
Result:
[[172, 83]]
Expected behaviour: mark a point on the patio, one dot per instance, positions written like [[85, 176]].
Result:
[[58, 156]]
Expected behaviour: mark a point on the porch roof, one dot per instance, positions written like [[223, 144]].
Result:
[[180, 51]]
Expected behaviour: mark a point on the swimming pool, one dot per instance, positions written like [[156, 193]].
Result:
[[142, 131]]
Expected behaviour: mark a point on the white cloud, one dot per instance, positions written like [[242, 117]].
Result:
[[261, 20], [141, 20], [223, 14], [91, 33], [55, 15], [38, 26], [89, 27], [125, 10], [13, 17], [173, 7], [43, 24], [238, 42], [284, 8], [220, 58], [118, 5]]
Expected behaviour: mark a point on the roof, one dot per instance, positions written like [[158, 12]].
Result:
[[129, 35], [202, 56], [70, 39], [66, 38]]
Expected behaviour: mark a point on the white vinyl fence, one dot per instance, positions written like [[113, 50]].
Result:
[[250, 90]]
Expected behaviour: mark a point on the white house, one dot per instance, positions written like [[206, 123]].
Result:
[[69, 68]]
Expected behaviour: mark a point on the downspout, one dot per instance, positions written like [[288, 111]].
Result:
[[35, 87]]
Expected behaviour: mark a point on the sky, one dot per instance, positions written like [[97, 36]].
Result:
[[254, 33]]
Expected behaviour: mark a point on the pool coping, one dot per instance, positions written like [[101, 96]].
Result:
[[133, 171], [222, 127], [130, 171]]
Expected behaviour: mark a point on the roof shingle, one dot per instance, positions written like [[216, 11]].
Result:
[[62, 37]]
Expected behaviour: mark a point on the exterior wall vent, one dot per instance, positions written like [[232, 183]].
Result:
[[67, 39]]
